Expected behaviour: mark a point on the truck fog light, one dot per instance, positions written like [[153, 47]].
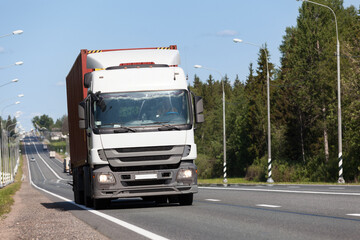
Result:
[[185, 174], [106, 178]]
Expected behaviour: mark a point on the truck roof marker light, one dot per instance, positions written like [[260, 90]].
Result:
[[136, 63]]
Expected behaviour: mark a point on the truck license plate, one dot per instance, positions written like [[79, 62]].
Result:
[[145, 176]]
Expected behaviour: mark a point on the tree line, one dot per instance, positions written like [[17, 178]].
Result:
[[46, 123], [303, 105]]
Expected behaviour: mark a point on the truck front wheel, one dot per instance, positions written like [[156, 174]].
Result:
[[186, 199], [101, 203], [78, 187], [87, 187]]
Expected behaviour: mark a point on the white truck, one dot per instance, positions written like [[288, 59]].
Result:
[[131, 127], [52, 154]]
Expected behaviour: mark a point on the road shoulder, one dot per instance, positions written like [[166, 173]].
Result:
[[31, 218]]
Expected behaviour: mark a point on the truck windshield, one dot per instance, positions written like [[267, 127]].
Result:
[[140, 109]]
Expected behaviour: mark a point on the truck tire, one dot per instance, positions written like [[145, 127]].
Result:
[[99, 204], [186, 199], [87, 187], [78, 194]]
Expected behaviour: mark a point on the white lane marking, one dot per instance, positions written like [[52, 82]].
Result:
[[119, 222], [281, 191], [336, 188], [40, 170], [213, 200], [55, 158], [269, 206], [52, 170], [354, 214]]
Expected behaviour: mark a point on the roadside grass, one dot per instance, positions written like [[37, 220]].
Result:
[[247, 182], [7, 193], [230, 181]]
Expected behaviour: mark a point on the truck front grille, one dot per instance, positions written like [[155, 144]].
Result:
[[140, 156], [144, 149]]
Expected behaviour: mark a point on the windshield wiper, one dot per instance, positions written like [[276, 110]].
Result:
[[123, 130], [168, 128], [153, 123]]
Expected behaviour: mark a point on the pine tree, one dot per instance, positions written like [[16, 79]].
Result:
[[256, 93]]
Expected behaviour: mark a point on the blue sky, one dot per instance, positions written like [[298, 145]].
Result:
[[55, 31]]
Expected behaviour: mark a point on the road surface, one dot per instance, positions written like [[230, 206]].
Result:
[[233, 212]]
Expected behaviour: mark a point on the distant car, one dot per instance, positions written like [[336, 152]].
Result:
[[32, 159]]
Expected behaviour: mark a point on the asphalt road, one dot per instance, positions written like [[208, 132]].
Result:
[[232, 212]]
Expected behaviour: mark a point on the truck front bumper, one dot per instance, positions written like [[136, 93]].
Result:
[[163, 182]]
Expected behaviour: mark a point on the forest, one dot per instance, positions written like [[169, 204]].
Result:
[[303, 106]]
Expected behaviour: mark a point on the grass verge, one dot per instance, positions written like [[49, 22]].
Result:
[[7, 193], [229, 181]]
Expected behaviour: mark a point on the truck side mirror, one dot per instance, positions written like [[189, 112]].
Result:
[[82, 115], [199, 108], [87, 80]]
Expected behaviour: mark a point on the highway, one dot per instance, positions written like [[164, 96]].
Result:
[[232, 212]]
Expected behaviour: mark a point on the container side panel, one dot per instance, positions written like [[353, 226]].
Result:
[[75, 94]]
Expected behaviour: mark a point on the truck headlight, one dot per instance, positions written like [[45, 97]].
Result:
[[106, 178], [185, 174]]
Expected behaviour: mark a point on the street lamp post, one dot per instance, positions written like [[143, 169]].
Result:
[[14, 64], [224, 123], [16, 32], [5, 100], [236, 40], [341, 177], [12, 81]]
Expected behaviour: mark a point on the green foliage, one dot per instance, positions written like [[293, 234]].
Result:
[[303, 98], [258, 170], [44, 121], [58, 146], [205, 166]]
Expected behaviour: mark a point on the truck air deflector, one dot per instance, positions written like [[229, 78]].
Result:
[[115, 58]]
